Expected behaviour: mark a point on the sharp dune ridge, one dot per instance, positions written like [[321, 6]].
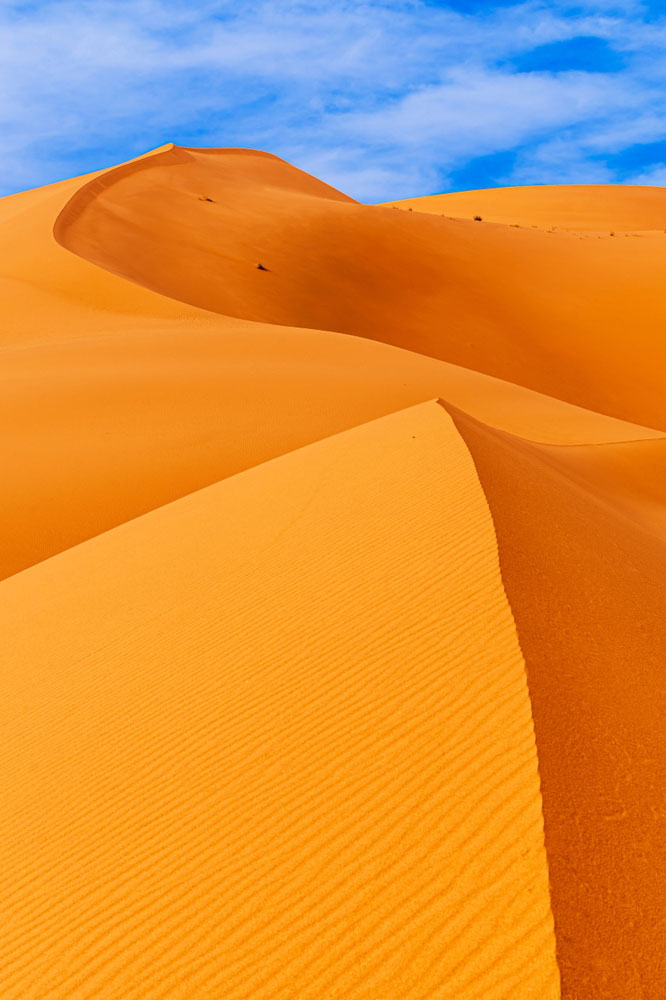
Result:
[[332, 588]]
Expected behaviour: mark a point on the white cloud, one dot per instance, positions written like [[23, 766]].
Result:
[[477, 110]]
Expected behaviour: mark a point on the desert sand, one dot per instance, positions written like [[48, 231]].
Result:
[[332, 590]]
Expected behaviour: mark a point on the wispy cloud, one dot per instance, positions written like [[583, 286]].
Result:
[[384, 99]]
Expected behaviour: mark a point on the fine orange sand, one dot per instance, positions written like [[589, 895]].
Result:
[[296, 563]]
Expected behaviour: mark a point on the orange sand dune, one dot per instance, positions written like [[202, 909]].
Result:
[[580, 207], [283, 748], [548, 311], [274, 739]]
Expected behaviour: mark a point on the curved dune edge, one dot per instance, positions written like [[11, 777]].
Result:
[[173, 156], [48, 294], [582, 546], [579, 207], [278, 747]]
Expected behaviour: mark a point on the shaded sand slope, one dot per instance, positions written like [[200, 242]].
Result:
[[547, 311], [580, 207], [582, 543], [275, 741], [115, 400]]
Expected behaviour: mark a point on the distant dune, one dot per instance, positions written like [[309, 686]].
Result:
[[333, 588], [592, 208]]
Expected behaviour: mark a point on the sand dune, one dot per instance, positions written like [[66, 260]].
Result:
[[286, 749], [269, 732], [597, 208], [545, 310]]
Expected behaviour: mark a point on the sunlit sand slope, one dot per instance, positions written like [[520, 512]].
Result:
[[582, 543], [274, 740], [579, 207], [576, 317]]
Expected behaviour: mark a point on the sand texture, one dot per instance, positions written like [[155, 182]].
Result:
[[332, 590]]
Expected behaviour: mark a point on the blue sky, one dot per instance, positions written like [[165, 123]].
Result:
[[382, 99]]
